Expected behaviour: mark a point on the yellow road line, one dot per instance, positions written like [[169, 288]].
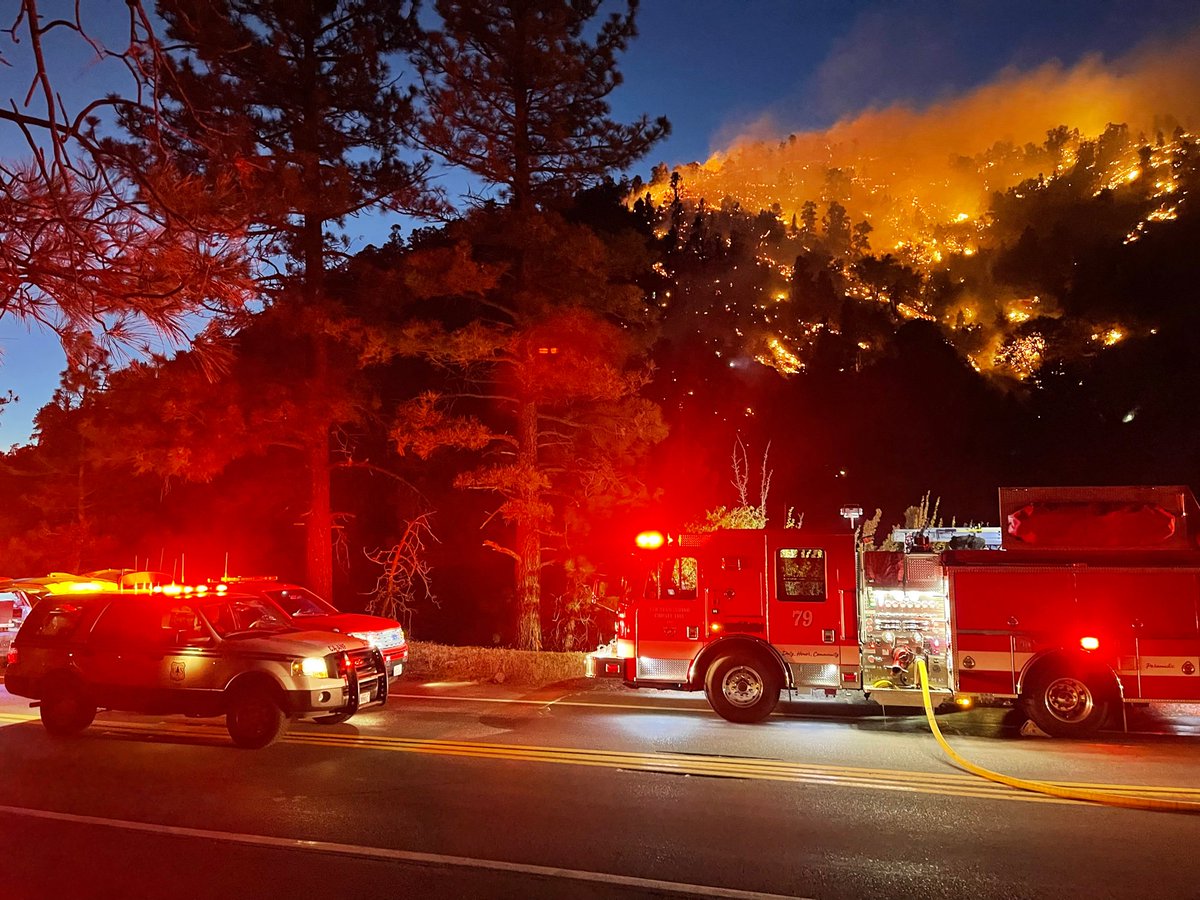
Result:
[[749, 768]]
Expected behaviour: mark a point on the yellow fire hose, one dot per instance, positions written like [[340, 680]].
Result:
[[1127, 801]]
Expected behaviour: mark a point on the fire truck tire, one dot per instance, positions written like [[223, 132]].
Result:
[[1067, 702], [254, 718], [65, 708], [742, 688]]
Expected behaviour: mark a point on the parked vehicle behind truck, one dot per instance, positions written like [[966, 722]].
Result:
[[304, 609], [1092, 602]]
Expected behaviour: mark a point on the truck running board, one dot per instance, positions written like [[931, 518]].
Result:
[[908, 697]]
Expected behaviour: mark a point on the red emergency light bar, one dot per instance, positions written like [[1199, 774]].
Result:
[[650, 540], [174, 590]]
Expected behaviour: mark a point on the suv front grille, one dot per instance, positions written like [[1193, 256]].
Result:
[[367, 662]]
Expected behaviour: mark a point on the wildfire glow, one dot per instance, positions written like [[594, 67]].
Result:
[[1109, 337], [781, 358], [907, 209], [1023, 355]]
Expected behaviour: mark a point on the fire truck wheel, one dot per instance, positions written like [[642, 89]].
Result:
[[742, 688], [1066, 703], [65, 708], [253, 718]]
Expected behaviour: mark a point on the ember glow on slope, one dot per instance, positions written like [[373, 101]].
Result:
[[923, 179]]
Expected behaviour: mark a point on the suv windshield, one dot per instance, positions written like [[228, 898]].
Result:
[[243, 615], [298, 602]]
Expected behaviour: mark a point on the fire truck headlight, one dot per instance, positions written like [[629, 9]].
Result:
[[311, 667], [1089, 643]]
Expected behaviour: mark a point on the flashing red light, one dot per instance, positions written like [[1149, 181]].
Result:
[[650, 540], [1089, 643]]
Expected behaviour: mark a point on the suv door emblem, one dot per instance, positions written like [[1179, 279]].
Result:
[[177, 671]]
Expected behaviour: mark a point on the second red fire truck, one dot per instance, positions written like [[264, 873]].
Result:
[[1093, 601]]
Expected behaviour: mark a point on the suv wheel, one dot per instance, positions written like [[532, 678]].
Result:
[[254, 719], [65, 708]]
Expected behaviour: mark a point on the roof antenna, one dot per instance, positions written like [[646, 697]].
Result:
[[226, 575]]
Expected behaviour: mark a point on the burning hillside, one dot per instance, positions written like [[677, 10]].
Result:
[[936, 213]]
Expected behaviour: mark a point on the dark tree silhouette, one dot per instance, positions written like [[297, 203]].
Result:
[[517, 95], [296, 101]]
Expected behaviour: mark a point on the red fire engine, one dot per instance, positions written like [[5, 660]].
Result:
[[1093, 600]]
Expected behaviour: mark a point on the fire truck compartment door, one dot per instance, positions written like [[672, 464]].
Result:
[[668, 638], [807, 587], [732, 583], [1147, 620]]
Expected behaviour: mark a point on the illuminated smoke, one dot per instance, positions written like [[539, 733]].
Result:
[[924, 179]]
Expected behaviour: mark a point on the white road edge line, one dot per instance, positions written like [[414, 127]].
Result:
[[407, 856]]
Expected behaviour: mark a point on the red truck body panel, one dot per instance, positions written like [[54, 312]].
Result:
[[1097, 587]]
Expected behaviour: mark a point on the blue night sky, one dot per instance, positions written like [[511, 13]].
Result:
[[713, 67]]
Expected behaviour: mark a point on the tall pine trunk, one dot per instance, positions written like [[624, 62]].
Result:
[[318, 527], [529, 587], [529, 538]]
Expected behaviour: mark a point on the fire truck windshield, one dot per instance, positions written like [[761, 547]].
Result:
[[672, 578]]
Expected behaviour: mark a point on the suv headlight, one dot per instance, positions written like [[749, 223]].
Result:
[[311, 667]]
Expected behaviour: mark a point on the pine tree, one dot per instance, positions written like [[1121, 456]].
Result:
[[85, 253], [296, 99], [515, 93]]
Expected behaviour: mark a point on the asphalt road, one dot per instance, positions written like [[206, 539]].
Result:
[[470, 791]]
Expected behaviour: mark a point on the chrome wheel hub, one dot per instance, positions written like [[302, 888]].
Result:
[[1068, 699], [742, 686]]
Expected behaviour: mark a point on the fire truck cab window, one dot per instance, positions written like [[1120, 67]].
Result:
[[673, 579], [800, 574]]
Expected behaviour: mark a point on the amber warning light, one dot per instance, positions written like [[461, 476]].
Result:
[[650, 540]]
